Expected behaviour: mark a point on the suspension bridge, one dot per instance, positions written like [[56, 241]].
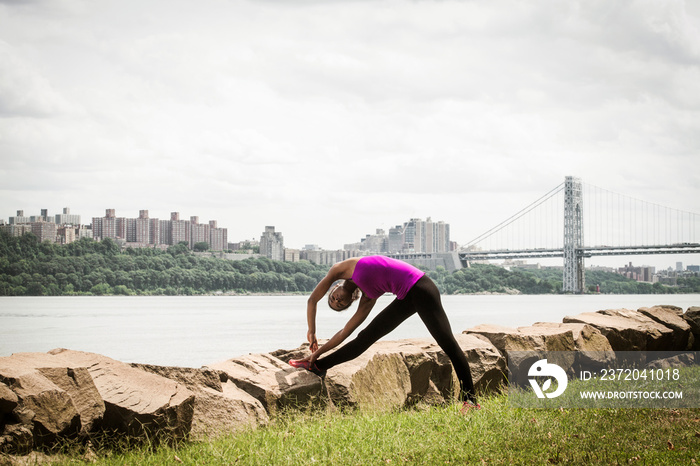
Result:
[[615, 224]]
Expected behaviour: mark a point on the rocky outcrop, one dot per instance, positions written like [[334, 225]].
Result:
[[375, 379], [70, 393], [136, 402], [273, 382], [523, 346], [593, 350], [218, 405], [672, 317], [628, 330], [47, 398], [692, 317], [63, 393]]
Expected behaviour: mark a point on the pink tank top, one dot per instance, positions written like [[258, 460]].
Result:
[[376, 275]]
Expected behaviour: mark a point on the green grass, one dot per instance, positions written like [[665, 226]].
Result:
[[496, 434]]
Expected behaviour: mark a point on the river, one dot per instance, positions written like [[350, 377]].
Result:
[[192, 331]]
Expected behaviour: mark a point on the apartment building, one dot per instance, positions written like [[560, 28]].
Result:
[[414, 236], [146, 231], [272, 244]]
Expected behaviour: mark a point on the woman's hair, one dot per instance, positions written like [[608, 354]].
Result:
[[353, 297]]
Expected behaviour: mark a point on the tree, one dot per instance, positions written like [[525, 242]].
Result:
[[202, 246]]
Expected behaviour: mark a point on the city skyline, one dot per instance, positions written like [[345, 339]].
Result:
[[660, 262], [332, 119]]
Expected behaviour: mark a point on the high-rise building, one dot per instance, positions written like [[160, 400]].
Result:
[[16, 229], [272, 244], [44, 217], [179, 229], [65, 234], [45, 231], [109, 226], [218, 237], [396, 239], [66, 218], [418, 236], [199, 232], [19, 219], [140, 231]]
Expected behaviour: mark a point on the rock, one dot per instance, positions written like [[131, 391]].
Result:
[[678, 360], [593, 349], [270, 380], [627, 330], [692, 316], [17, 439], [377, 379], [8, 401], [586, 337], [432, 378], [297, 353], [669, 317], [670, 308], [218, 407], [525, 345], [487, 364], [52, 399], [137, 403], [429, 379]]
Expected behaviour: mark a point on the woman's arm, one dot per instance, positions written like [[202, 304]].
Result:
[[363, 310], [341, 270]]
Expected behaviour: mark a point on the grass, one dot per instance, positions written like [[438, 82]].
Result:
[[496, 434]]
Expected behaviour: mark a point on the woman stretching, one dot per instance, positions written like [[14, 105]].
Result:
[[374, 276]]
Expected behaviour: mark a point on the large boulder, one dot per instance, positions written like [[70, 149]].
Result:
[[218, 407], [593, 350], [627, 330], [486, 363], [401, 374], [8, 402], [47, 398], [136, 402], [523, 346], [672, 317], [692, 317], [586, 337], [378, 378], [271, 381], [431, 379]]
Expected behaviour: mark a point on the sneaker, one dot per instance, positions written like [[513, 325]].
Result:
[[469, 406], [303, 364]]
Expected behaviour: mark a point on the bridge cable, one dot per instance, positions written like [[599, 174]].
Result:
[[518, 215]]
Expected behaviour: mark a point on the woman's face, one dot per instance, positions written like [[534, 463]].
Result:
[[340, 299]]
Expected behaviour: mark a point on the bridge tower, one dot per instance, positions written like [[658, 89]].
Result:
[[574, 273]]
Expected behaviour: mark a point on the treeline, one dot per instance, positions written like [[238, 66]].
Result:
[[28, 267], [481, 278], [31, 268]]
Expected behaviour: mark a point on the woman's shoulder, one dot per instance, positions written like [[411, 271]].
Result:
[[344, 269]]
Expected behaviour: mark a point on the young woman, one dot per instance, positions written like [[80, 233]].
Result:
[[373, 276]]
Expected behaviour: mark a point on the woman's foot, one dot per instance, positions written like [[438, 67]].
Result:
[[469, 406], [304, 364]]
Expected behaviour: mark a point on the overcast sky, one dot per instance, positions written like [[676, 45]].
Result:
[[329, 119]]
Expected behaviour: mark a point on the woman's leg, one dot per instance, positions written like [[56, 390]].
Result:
[[386, 321], [427, 300]]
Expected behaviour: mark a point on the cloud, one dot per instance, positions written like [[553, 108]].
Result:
[[331, 119]]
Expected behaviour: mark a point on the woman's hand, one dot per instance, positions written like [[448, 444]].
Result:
[[313, 342]]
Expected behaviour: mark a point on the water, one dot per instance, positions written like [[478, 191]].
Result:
[[198, 330]]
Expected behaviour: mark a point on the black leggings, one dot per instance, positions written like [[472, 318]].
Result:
[[423, 298]]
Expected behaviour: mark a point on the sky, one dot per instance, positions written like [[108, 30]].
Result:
[[329, 119]]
